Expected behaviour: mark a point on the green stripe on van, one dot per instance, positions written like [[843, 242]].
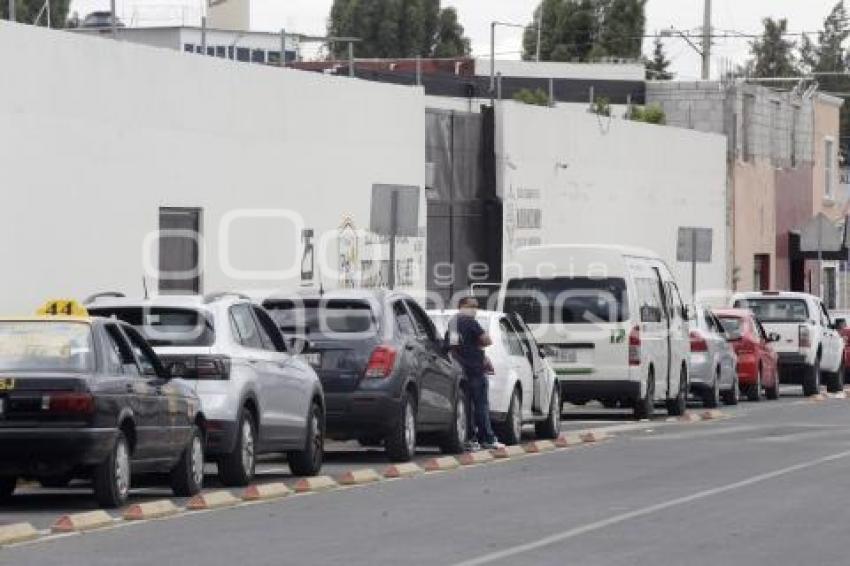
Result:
[[578, 371]]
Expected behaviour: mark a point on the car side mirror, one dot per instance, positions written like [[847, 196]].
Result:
[[773, 337], [296, 345], [840, 324], [542, 352], [686, 313]]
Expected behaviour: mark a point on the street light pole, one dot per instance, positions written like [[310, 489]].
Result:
[[539, 31], [12, 15], [706, 42], [113, 20]]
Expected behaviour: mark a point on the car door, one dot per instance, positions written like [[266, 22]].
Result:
[[725, 353], [144, 400], [543, 378], [416, 361], [767, 355], [519, 363], [439, 369], [678, 331], [833, 343]]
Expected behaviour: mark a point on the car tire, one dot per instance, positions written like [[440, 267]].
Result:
[[308, 462], [550, 429], [7, 487], [400, 444], [454, 442], [112, 477], [811, 381], [711, 398], [754, 391], [187, 477], [237, 468], [835, 381], [677, 406], [645, 408], [510, 432], [772, 393], [733, 395]]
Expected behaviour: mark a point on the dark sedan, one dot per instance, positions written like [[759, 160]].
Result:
[[386, 378], [85, 397]]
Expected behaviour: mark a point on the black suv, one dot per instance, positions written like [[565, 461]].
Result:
[[386, 377], [87, 397]]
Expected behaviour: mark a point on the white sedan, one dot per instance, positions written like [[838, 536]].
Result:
[[523, 386]]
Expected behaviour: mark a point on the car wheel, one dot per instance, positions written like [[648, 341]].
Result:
[[187, 478], [455, 440], [401, 443], [677, 406], [811, 381], [237, 468], [112, 476], [510, 432], [7, 487], [772, 392], [308, 462], [754, 391], [711, 398], [835, 382], [645, 407], [551, 428], [732, 396]]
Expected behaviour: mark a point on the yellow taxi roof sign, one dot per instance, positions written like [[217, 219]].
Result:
[[63, 307]]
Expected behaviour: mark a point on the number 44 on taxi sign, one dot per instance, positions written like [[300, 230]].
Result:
[[60, 307]]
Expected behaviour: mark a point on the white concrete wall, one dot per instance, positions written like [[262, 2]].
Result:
[[554, 70], [601, 181], [94, 138]]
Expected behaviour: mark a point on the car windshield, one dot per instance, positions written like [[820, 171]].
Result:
[[313, 316], [165, 326], [568, 300], [731, 324], [776, 310], [45, 346]]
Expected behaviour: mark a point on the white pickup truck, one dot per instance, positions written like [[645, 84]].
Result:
[[810, 347]]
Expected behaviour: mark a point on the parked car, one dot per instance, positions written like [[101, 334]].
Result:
[[387, 379], [256, 396], [523, 387], [100, 19], [808, 344], [757, 360], [713, 361], [611, 321], [87, 397], [840, 319]]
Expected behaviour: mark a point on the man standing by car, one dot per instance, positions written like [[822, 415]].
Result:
[[467, 340]]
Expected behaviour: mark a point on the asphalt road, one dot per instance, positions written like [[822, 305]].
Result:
[[765, 487]]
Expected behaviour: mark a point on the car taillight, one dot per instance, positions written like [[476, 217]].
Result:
[[805, 337], [698, 343], [634, 346], [68, 403], [199, 367], [381, 362]]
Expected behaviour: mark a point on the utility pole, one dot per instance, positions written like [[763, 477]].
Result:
[[12, 15], [539, 31], [706, 42], [113, 20]]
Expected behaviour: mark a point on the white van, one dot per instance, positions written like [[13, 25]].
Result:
[[610, 319]]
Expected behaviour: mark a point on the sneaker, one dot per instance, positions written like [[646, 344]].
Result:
[[472, 446], [495, 445]]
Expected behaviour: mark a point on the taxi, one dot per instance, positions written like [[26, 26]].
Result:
[[87, 397]]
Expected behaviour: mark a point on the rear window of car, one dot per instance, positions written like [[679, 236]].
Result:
[[45, 346], [731, 324], [568, 300], [322, 317], [165, 326], [776, 310]]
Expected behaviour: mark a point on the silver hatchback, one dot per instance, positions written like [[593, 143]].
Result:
[[713, 362], [256, 396]]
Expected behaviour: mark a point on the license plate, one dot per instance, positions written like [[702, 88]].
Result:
[[567, 356], [314, 359]]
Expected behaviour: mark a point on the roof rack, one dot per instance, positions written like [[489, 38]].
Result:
[[213, 297], [104, 295]]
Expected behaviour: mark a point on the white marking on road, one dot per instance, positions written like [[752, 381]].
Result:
[[617, 519]]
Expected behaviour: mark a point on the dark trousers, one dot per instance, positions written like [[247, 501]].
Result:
[[479, 414]]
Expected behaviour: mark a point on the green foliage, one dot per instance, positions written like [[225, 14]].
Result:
[[397, 28], [601, 106], [829, 53], [773, 55], [586, 30], [657, 66], [27, 10], [537, 97], [652, 114]]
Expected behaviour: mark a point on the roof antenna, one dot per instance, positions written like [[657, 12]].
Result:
[[145, 287]]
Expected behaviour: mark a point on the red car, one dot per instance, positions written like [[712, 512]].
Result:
[[757, 360], [840, 320]]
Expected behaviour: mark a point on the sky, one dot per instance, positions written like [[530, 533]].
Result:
[[309, 17]]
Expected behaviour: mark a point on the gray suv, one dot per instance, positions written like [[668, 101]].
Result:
[[256, 396]]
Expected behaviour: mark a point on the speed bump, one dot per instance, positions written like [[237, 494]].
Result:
[[441, 464], [539, 446], [359, 477], [212, 500], [150, 510], [17, 532], [79, 522], [266, 491], [403, 470], [315, 484], [508, 452], [567, 440], [477, 457]]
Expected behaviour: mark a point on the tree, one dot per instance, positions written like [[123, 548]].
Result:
[[656, 67], [26, 11], [830, 54], [586, 30], [773, 55], [397, 28], [808, 54]]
